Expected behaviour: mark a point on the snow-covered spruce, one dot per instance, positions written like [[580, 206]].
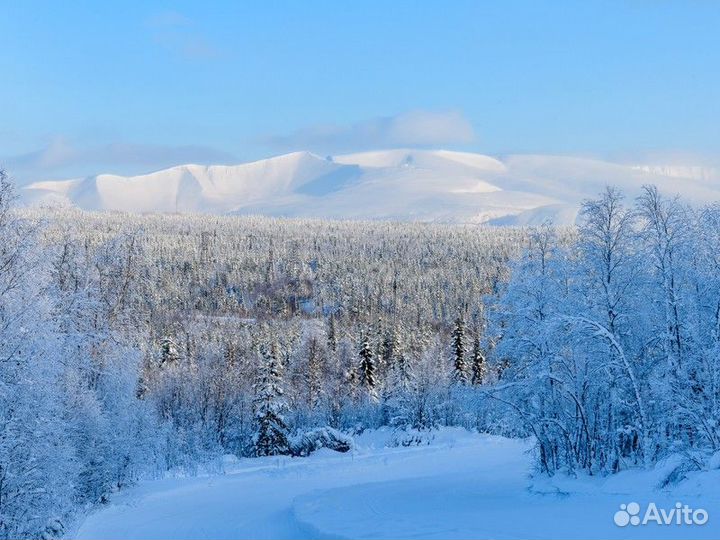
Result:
[[271, 435]]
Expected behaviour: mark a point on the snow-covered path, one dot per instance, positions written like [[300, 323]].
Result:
[[462, 486]]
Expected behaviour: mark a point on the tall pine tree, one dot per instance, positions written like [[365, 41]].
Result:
[[400, 387], [367, 369], [478, 363], [460, 371], [314, 373], [271, 433], [332, 337]]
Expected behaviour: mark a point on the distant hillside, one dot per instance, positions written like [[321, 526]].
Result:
[[418, 185]]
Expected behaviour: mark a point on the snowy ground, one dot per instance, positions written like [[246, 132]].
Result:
[[459, 486]]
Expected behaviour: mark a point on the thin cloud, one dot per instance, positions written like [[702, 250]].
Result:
[[180, 35], [666, 157], [168, 18], [411, 129], [62, 158]]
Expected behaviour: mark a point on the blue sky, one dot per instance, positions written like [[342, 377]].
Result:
[[130, 86]]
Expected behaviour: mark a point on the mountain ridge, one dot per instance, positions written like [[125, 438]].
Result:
[[398, 184]]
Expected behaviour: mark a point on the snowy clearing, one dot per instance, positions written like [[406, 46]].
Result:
[[460, 486]]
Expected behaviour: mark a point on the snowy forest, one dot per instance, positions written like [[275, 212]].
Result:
[[134, 345]]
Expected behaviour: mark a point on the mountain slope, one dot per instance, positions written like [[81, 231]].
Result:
[[421, 185]]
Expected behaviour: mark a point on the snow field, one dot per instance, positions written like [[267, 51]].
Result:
[[461, 485]]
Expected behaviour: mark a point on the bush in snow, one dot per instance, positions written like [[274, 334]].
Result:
[[308, 442]]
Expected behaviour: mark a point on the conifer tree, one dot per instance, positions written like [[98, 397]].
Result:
[[271, 437], [314, 373], [367, 368], [400, 387], [332, 338], [478, 363], [387, 348], [168, 352], [460, 374]]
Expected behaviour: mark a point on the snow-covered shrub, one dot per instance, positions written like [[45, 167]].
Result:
[[309, 441], [411, 437]]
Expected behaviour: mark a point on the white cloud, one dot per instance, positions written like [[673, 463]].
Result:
[[410, 129]]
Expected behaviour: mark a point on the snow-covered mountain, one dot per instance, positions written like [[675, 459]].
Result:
[[421, 185]]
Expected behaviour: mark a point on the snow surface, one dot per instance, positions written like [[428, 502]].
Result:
[[461, 485], [422, 185]]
